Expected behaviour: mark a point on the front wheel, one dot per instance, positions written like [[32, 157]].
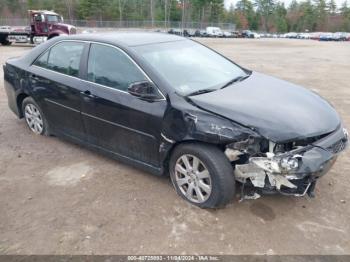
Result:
[[202, 175]]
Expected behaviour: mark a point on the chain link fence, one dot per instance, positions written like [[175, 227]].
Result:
[[143, 24]]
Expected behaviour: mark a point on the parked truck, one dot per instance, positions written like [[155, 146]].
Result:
[[44, 25]]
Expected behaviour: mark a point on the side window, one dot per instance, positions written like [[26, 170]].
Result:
[[110, 67], [42, 60], [63, 58]]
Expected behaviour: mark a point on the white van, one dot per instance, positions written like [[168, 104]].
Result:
[[214, 31]]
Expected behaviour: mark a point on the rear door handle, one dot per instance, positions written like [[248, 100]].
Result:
[[87, 93], [39, 79]]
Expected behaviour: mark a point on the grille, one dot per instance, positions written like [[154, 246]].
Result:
[[337, 146]]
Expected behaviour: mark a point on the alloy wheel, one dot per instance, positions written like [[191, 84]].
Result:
[[193, 178], [34, 118]]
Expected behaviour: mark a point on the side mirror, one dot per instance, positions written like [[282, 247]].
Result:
[[144, 89]]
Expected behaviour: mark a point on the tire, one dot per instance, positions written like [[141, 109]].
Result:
[[31, 110], [6, 42], [220, 178]]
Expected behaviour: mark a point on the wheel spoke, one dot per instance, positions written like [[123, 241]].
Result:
[[189, 193], [40, 121], [199, 194], [195, 164], [29, 110], [29, 119], [180, 169], [37, 127], [204, 174], [36, 112], [206, 188], [182, 181], [186, 162]]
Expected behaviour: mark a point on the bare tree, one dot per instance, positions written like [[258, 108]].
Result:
[[121, 9], [165, 13], [69, 9], [152, 13]]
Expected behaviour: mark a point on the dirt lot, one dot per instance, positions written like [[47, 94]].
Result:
[[59, 198]]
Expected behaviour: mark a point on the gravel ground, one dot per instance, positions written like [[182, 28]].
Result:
[[60, 198]]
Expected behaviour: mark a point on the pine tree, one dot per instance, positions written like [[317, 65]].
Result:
[[265, 8], [332, 7]]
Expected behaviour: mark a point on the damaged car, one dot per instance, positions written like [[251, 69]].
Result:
[[170, 105]]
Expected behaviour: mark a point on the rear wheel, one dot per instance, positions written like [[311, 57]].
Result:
[[34, 117], [202, 175], [6, 42]]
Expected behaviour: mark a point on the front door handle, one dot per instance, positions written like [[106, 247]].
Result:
[[87, 93], [34, 77]]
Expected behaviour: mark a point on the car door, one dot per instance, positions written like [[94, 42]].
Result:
[[116, 120], [54, 78], [39, 26]]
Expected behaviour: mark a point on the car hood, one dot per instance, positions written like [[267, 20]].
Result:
[[278, 110]]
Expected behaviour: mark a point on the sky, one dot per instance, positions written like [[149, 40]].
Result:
[[286, 2]]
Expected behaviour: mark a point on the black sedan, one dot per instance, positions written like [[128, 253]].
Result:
[[172, 106]]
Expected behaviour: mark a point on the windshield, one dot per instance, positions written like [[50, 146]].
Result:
[[189, 67], [53, 18]]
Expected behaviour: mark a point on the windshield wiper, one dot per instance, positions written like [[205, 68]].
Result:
[[234, 80], [201, 91]]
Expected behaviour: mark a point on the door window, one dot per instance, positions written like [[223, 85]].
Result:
[[63, 58], [110, 67]]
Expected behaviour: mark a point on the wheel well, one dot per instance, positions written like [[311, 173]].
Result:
[[20, 99]]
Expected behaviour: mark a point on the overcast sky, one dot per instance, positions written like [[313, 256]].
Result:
[[286, 2]]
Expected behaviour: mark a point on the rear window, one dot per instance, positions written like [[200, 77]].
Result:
[[63, 58]]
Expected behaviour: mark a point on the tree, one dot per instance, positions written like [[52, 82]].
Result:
[[216, 10], [265, 8], [245, 8], [345, 13], [280, 19], [332, 7], [321, 14]]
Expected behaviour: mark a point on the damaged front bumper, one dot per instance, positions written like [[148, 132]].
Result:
[[294, 172]]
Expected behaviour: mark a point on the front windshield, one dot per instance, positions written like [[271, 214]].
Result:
[[188, 66], [53, 18]]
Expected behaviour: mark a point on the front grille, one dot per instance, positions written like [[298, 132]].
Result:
[[337, 146]]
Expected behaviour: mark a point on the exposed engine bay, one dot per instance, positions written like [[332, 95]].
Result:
[[292, 168]]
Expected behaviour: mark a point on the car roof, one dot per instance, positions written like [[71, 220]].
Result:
[[46, 12], [128, 39]]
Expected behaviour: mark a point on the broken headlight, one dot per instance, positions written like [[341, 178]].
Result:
[[274, 164], [289, 163]]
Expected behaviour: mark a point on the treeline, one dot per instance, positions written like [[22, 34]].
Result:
[[260, 15], [299, 16]]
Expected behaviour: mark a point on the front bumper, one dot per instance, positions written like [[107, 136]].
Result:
[[265, 175]]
